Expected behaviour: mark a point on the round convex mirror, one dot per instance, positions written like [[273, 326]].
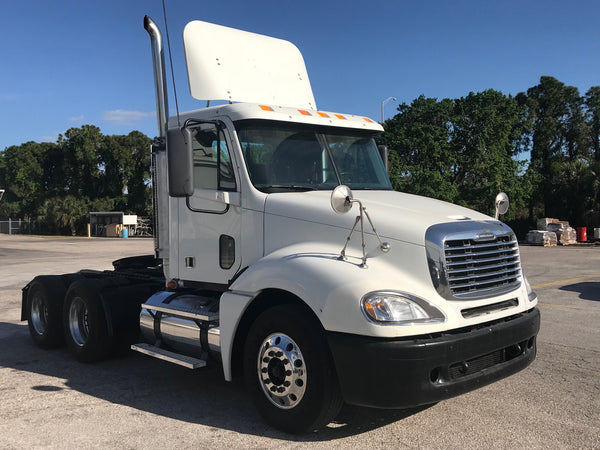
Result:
[[341, 199], [501, 204]]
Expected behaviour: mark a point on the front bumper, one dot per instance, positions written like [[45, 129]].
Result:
[[392, 373]]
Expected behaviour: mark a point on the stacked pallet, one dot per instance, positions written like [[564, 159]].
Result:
[[545, 238], [542, 224], [552, 231], [564, 233]]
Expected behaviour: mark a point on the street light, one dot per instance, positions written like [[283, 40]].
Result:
[[383, 104]]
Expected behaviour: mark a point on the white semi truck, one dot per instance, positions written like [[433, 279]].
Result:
[[284, 255]]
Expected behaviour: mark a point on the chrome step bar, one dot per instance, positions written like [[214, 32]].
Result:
[[172, 357], [186, 311]]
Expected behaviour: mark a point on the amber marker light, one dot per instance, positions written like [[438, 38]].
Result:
[[370, 310]]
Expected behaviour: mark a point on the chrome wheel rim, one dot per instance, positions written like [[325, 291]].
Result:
[[78, 321], [282, 371], [39, 313]]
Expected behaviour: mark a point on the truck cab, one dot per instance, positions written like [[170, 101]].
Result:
[[288, 259], [436, 299], [247, 159]]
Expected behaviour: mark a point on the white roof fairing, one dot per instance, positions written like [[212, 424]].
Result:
[[244, 111], [238, 66]]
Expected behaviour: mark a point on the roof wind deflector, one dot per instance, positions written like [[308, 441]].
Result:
[[239, 66]]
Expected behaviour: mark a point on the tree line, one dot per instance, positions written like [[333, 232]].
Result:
[[56, 185], [541, 147]]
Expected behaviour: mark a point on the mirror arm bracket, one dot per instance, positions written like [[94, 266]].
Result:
[[384, 246]]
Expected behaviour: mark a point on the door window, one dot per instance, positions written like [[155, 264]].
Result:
[[212, 162]]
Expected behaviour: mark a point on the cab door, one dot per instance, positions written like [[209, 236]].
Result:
[[209, 220]]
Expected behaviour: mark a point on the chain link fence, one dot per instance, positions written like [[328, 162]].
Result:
[[15, 226]]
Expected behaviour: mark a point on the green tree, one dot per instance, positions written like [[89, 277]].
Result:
[[53, 168], [486, 130], [23, 175], [85, 170], [139, 194], [67, 214], [592, 103], [575, 186], [458, 150], [422, 159], [559, 134], [2, 170], [81, 148]]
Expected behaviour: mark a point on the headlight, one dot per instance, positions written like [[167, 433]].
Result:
[[530, 294], [400, 308]]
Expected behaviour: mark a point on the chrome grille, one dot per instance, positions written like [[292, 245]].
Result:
[[482, 267], [471, 259]]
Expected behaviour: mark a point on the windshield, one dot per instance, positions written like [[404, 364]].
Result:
[[284, 157]]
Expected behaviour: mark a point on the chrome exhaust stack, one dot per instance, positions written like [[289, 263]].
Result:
[[160, 201], [160, 84]]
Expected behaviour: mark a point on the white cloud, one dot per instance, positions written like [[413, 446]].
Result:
[[77, 119], [125, 117], [49, 138]]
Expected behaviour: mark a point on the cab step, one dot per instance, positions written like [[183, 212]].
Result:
[[188, 311], [166, 355]]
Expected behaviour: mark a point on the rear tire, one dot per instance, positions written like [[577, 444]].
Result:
[[85, 322], [44, 311], [289, 370]]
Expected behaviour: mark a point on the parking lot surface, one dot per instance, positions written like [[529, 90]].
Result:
[[48, 400]]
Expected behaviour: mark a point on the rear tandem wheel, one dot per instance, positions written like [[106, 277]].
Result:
[[44, 310], [86, 322]]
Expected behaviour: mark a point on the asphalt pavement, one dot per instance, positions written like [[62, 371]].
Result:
[[48, 400]]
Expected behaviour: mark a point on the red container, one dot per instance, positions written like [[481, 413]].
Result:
[[582, 234]]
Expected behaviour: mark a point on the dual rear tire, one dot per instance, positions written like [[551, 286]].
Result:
[[44, 311], [86, 322], [75, 316]]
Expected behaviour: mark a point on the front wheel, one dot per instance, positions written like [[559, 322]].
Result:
[[289, 370]]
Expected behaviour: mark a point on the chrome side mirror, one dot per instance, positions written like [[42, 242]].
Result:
[[341, 199], [502, 204]]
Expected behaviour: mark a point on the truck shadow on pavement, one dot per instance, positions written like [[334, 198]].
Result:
[[589, 290], [201, 397]]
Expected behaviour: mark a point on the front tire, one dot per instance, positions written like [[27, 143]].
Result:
[[289, 370]]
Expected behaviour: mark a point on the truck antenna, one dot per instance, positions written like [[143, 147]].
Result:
[[171, 63]]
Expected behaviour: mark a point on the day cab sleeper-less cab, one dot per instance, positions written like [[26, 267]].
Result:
[[283, 254]]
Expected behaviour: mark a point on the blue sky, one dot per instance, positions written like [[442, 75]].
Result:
[[66, 63]]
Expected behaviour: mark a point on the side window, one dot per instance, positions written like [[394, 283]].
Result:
[[212, 163]]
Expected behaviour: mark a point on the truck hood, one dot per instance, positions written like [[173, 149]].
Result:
[[395, 215]]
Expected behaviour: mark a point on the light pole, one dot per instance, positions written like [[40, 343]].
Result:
[[383, 104]]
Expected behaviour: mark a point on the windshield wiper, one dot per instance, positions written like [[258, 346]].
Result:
[[284, 187]]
